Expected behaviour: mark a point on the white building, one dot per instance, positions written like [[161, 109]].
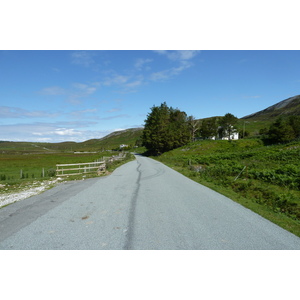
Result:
[[123, 146], [223, 134]]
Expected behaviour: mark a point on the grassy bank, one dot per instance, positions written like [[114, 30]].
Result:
[[265, 179]]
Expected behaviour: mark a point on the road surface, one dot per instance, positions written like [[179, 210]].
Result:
[[141, 205]]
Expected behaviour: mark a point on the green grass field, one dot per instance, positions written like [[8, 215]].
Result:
[[30, 166], [39, 167]]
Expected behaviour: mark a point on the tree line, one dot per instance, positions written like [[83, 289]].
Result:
[[167, 128]]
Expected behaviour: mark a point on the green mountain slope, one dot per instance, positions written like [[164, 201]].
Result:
[[287, 107], [115, 139], [264, 118]]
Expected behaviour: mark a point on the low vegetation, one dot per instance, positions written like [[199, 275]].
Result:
[[263, 178]]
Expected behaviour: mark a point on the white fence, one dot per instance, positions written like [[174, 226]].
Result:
[[81, 168], [84, 168]]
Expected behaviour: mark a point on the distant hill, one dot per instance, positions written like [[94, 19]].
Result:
[[111, 141], [116, 138], [287, 107]]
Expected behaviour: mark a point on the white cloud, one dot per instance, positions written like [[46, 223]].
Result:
[[179, 55], [116, 79], [80, 91], [16, 112], [119, 129], [86, 89], [53, 90], [140, 62], [161, 75], [74, 94], [166, 74], [49, 132], [67, 132], [84, 58], [186, 54], [125, 84], [114, 117], [139, 81], [86, 113], [113, 110]]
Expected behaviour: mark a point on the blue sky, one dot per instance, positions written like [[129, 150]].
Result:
[[56, 96]]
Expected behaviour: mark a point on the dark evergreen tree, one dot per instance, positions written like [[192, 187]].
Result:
[[209, 128], [165, 129], [294, 121], [281, 131], [228, 125]]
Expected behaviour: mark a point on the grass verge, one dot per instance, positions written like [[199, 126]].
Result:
[[269, 185]]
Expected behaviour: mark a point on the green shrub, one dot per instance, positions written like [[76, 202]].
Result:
[[51, 172]]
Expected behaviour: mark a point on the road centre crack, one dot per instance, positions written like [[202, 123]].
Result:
[[132, 209]]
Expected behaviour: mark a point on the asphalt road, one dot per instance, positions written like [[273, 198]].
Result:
[[141, 205]]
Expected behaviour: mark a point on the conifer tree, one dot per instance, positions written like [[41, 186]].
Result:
[[209, 128], [282, 130], [228, 124], [165, 129]]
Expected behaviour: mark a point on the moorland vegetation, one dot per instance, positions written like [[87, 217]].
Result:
[[261, 171]]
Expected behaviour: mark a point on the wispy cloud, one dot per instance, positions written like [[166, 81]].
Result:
[[183, 60], [141, 62], [83, 58], [67, 132], [16, 112], [80, 92], [123, 83], [113, 110], [85, 88], [74, 95], [178, 55], [50, 132], [114, 117], [168, 73], [115, 79], [139, 80], [86, 113], [53, 90]]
